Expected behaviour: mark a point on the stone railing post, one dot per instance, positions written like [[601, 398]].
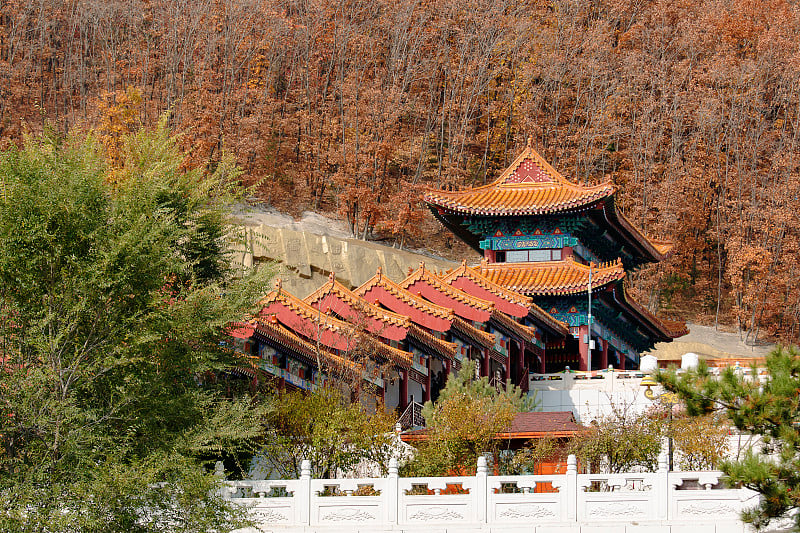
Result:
[[481, 486], [392, 492], [572, 489], [662, 487], [303, 495]]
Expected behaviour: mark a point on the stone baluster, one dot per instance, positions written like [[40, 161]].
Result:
[[662, 488], [392, 492], [572, 489], [303, 494], [481, 487]]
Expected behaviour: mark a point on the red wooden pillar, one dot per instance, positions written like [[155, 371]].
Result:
[[426, 395], [621, 360], [485, 363], [523, 371], [543, 361], [403, 390], [604, 355], [448, 364], [583, 348]]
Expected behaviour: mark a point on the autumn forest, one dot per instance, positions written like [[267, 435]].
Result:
[[353, 107]]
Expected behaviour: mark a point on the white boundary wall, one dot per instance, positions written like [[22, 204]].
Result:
[[660, 502], [590, 395]]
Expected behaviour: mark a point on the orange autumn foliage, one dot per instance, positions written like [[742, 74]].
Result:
[[691, 107]]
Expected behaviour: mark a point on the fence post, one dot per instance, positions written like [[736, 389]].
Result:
[[392, 492], [304, 494], [481, 483], [572, 488], [662, 486]]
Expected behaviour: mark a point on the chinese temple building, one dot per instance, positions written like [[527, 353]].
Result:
[[564, 245], [548, 293], [400, 340]]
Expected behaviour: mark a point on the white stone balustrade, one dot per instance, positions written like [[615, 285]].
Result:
[[663, 502]]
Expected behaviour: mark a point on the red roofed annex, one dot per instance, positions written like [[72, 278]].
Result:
[[414, 332]]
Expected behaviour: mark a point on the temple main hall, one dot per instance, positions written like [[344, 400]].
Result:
[[546, 292], [565, 246]]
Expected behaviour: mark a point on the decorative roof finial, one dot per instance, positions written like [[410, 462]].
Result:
[[422, 265], [463, 262], [332, 276], [278, 284], [379, 272], [530, 141]]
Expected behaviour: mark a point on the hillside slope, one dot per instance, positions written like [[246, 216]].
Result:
[[691, 107]]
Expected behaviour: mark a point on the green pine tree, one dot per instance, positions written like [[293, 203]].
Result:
[[770, 409]]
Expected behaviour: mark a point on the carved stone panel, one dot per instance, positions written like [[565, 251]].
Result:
[[270, 515], [348, 514], [436, 513], [707, 508], [620, 510], [525, 511]]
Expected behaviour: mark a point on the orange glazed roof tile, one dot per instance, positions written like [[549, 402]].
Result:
[[287, 338], [399, 292], [481, 337], [512, 296], [431, 341], [357, 302], [530, 186], [307, 312], [549, 278], [486, 283], [379, 313], [427, 276], [524, 332]]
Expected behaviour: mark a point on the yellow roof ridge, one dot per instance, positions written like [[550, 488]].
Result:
[[332, 323], [489, 285], [358, 302], [430, 277], [404, 295]]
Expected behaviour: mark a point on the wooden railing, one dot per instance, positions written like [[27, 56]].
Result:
[[412, 416]]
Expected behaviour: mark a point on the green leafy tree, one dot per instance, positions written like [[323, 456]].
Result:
[[620, 441], [326, 428], [114, 297], [770, 409], [463, 423]]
